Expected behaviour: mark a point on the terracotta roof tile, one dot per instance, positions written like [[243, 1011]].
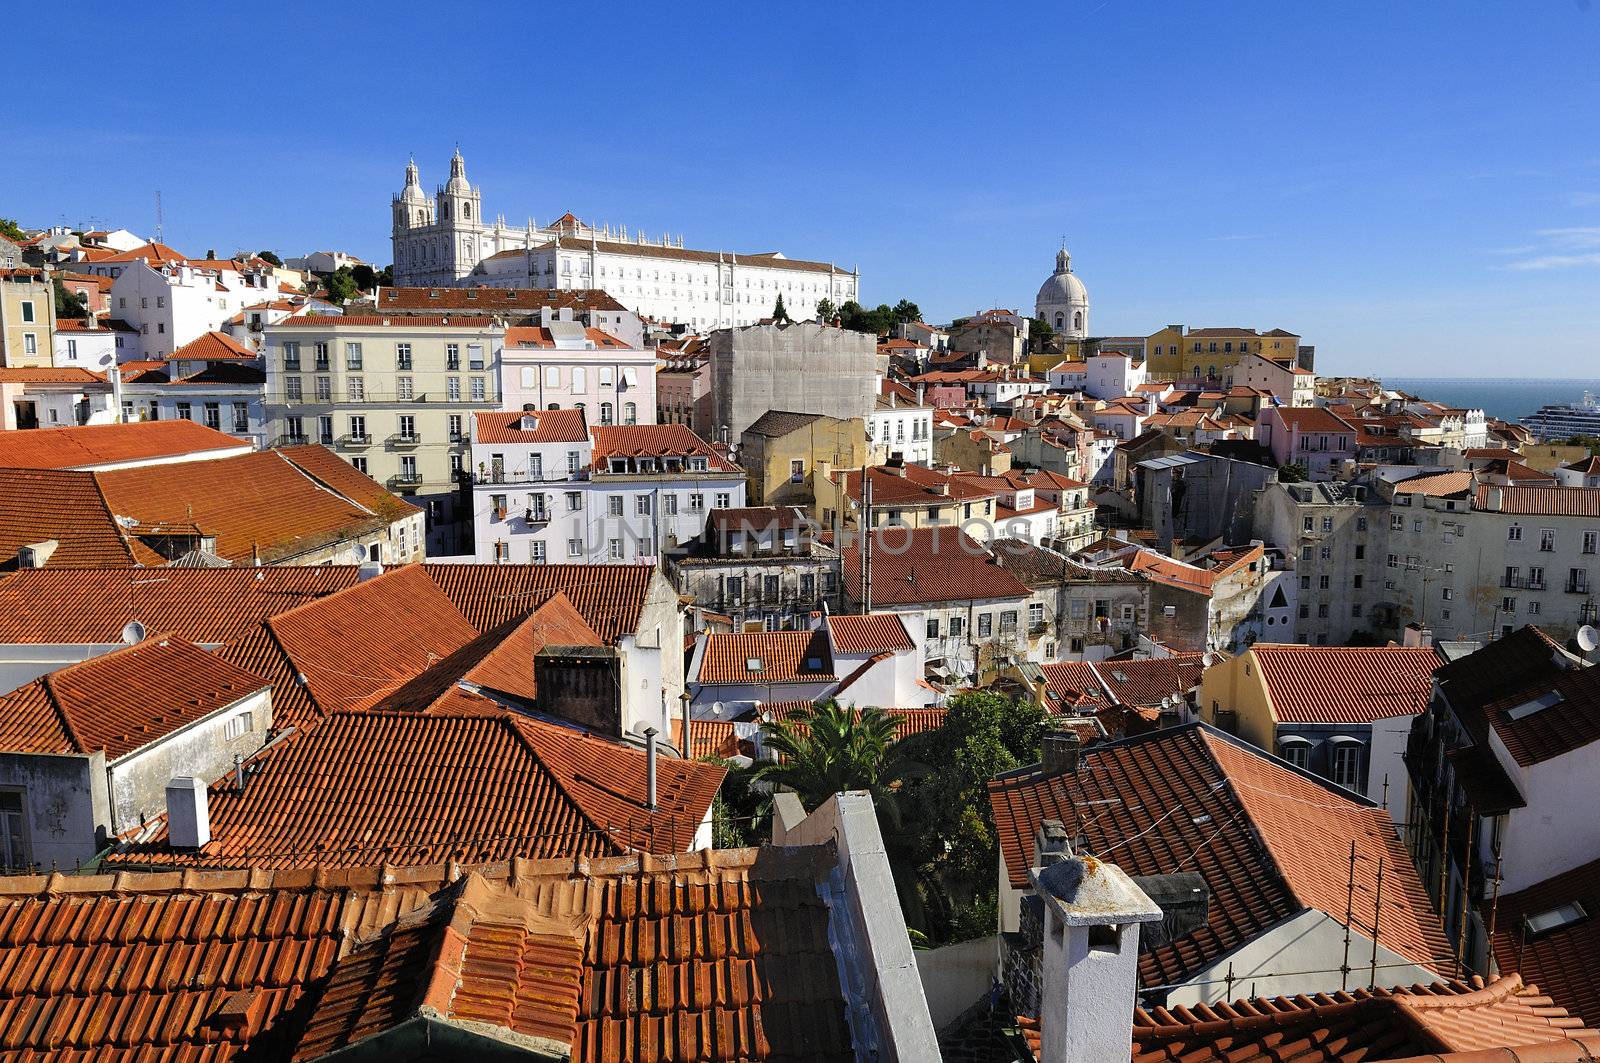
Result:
[[47, 375], [87, 446], [1437, 485], [538, 336], [1345, 684], [255, 505], [1144, 683], [1365, 1026], [328, 469], [1309, 419], [548, 426], [37, 505], [214, 346], [654, 440], [781, 657], [1560, 961], [913, 566], [734, 950], [1542, 501], [1571, 722], [869, 634], [205, 605], [1073, 687], [399, 321], [1257, 876], [484, 298], [611, 598], [479, 788]]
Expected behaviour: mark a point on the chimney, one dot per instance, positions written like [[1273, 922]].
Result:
[[1416, 636], [1496, 498], [1060, 751], [650, 767], [1051, 845], [36, 555], [188, 815], [1090, 962]]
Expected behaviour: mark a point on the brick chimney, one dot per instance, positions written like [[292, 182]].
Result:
[[1090, 963], [1060, 752]]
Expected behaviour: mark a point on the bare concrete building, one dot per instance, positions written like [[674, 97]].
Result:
[[801, 368]]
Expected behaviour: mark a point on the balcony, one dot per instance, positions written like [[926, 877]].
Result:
[[405, 480], [526, 476], [405, 440], [1578, 586], [290, 440], [534, 515], [355, 441], [1523, 583]]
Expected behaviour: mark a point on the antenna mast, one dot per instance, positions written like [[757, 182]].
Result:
[[158, 215]]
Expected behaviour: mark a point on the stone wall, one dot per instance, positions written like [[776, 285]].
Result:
[[804, 368]]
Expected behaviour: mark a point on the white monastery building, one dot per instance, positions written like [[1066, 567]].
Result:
[[447, 241]]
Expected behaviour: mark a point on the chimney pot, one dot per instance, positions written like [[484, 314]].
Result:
[[188, 814], [650, 767]]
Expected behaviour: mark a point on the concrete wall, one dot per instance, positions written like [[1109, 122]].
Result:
[[138, 781], [805, 368], [1558, 829], [957, 976], [1311, 941], [22, 663], [652, 661], [64, 801]]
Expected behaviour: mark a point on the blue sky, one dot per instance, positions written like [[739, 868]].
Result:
[[1415, 187]]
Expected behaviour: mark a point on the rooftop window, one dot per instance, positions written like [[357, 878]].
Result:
[[1555, 918], [1538, 704]]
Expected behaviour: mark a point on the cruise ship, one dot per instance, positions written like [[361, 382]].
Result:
[[1565, 419]]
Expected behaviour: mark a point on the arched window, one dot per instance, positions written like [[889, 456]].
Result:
[[605, 413], [1211, 371], [1060, 320], [1077, 321], [466, 210], [630, 413], [554, 406]]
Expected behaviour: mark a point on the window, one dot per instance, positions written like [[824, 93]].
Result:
[[1361, 553], [474, 356], [552, 376], [580, 378], [355, 388], [291, 356], [1394, 561], [1035, 614], [536, 552], [236, 725], [1296, 751], [1448, 593], [452, 356], [359, 465], [1514, 534], [1322, 582], [574, 501], [402, 356], [1326, 553], [574, 547], [241, 417], [214, 416], [1547, 540], [325, 430], [573, 458], [404, 388], [1356, 581], [1322, 611], [697, 502], [1361, 524], [319, 351], [477, 389], [1591, 541], [641, 505], [1397, 522], [14, 854], [1308, 523], [1508, 605], [358, 428], [933, 627], [1327, 524], [185, 411], [724, 500], [614, 549], [408, 427], [352, 356], [408, 467], [1345, 765], [324, 389], [30, 343], [614, 505], [797, 471], [455, 428], [606, 413], [985, 625], [1534, 608], [452, 388]]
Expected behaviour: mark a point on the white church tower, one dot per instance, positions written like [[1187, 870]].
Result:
[[1063, 302]]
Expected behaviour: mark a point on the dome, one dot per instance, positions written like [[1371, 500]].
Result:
[[1062, 288], [413, 189], [1063, 301], [457, 185]]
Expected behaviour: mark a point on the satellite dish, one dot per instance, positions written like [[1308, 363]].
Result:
[[716, 708], [1588, 638], [133, 632], [358, 554]]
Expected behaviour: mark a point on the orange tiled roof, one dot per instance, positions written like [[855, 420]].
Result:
[[37, 505], [1560, 961], [206, 605], [1543, 501], [876, 633], [152, 253], [654, 440], [550, 426], [538, 336], [1571, 723], [400, 321], [212, 347], [912, 566], [733, 946], [1073, 686], [1437, 485], [611, 598], [1294, 830], [48, 375], [783, 656], [328, 469], [1144, 683], [1440, 1022], [255, 505], [121, 701], [484, 298], [1309, 419], [86, 446], [479, 788], [1345, 684]]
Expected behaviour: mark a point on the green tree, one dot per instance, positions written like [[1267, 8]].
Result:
[[905, 312], [780, 314], [826, 310], [1293, 473], [11, 230], [1040, 334], [386, 276], [827, 749], [1590, 442], [341, 285], [365, 276], [67, 304], [950, 837], [269, 256]]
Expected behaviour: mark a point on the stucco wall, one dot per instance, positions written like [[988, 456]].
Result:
[[64, 801], [805, 368], [957, 976]]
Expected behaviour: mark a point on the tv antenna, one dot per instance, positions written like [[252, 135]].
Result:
[[158, 215]]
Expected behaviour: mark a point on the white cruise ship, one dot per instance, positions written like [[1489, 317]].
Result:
[[1561, 420]]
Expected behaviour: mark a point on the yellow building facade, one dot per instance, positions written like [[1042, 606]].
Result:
[[1180, 353]]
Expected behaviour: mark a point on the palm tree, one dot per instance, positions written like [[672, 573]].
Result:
[[826, 749]]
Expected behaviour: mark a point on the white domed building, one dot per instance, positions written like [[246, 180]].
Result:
[[1063, 301]]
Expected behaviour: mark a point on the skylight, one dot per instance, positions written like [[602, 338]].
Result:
[[1538, 704], [752, 664], [1555, 918]]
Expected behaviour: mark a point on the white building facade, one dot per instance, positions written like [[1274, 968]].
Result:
[[561, 364], [446, 241]]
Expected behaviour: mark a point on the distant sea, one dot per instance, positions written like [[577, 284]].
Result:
[[1505, 399]]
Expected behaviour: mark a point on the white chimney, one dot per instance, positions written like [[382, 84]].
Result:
[[1092, 913], [188, 815]]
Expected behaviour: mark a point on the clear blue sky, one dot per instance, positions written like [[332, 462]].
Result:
[[1415, 187]]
